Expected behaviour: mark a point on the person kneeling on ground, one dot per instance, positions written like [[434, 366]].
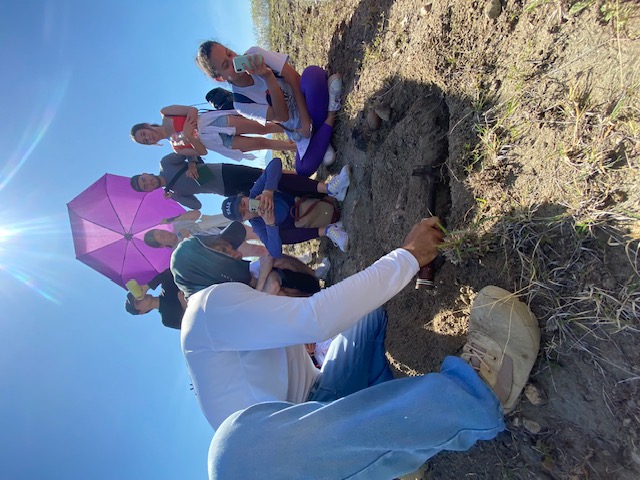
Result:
[[256, 385]]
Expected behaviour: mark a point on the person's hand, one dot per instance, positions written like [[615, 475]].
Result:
[[266, 200], [189, 129], [192, 116], [423, 240], [144, 288], [258, 67], [306, 128], [192, 171], [168, 195], [310, 348], [183, 301], [164, 221], [268, 217]]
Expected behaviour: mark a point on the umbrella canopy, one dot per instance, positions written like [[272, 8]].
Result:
[[108, 223]]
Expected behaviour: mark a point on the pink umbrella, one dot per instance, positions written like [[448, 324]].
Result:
[[108, 223]]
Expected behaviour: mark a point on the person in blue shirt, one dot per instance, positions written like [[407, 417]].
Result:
[[283, 218]]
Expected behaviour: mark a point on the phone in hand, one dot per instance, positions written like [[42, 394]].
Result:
[[241, 62], [254, 204]]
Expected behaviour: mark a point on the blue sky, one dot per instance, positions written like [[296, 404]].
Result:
[[86, 390]]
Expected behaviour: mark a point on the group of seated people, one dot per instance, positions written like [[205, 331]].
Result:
[[255, 334], [277, 207]]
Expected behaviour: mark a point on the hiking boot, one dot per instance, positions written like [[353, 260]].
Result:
[[338, 185], [335, 92], [329, 156], [322, 271], [502, 344], [338, 236]]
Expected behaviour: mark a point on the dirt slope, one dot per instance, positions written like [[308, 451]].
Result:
[[531, 120]]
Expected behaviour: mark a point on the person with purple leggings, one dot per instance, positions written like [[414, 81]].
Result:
[[271, 90], [283, 218]]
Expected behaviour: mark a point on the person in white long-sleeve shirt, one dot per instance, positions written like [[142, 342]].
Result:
[[259, 389]]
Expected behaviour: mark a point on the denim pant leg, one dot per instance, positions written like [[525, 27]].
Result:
[[378, 433], [356, 359]]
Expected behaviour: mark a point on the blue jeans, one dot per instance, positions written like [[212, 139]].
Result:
[[378, 432], [356, 359]]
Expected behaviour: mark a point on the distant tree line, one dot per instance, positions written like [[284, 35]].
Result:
[[260, 15]]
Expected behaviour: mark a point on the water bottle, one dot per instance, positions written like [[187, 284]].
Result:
[[135, 289]]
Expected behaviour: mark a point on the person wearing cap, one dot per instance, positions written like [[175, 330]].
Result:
[[256, 385], [170, 303], [285, 219], [211, 259]]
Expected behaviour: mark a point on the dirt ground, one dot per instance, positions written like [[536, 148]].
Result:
[[530, 123]]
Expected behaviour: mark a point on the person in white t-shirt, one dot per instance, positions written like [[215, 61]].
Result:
[[272, 90], [260, 391]]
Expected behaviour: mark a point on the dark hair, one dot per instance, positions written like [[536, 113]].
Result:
[[220, 98], [202, 58], [150, 239], [135, 184], [130, 304]]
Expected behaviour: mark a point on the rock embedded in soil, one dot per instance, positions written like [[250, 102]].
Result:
[[493, 9], [531, 426], [373, 120], [383, 112], [535, 395]]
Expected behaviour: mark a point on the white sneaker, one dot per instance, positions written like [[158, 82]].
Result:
[[338, 185], [323, 269], [329, 156], [335, 92], [339, 237]]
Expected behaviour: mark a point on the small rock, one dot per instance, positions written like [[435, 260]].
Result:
[[384, 112], [373, 120], [531, 426], [535, 395], [493, 9], [398, 217], [516, 422], [626, 422], [425, 9]]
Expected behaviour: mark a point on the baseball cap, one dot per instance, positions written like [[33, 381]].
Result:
[[231, 208]]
